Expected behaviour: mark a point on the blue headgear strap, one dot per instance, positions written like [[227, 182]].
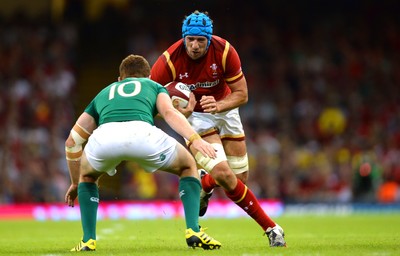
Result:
[[197, 24]]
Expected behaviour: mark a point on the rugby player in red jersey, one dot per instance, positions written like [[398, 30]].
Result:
[[211, 67]]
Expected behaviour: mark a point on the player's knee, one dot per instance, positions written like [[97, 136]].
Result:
[[243, 176], [238, 164], [224, 176], [222, 172], [209, 163]]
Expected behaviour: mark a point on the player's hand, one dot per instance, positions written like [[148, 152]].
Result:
[[71, 195], [189, 108], [209, 104], [205, 148]]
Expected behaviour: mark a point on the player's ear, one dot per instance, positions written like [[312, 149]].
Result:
[[119, 78]]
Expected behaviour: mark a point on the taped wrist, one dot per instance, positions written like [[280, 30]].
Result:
[[194, 137]]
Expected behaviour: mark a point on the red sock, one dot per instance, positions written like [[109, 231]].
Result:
[[208, 183], [244, 198]]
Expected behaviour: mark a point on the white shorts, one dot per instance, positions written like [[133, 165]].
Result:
[[136, 141], [226, 124]]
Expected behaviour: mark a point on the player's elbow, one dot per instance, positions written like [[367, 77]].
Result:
[[241, 97], [69, 142], [244, 98]]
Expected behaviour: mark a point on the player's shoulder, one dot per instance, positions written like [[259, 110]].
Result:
[[219, 43], [150, 82], [218, 39], [175, 47]]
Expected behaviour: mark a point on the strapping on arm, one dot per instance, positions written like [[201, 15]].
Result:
[[80, 136]]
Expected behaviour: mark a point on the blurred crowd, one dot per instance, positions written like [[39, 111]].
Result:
[[322, 122], [37, 84]]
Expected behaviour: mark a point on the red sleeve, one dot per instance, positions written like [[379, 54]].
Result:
[[163, 70], [230, 60], [233, 71], [160, 72]]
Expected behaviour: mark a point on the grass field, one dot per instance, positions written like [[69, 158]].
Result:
[[306, 235]]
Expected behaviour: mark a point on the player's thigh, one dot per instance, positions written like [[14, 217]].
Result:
[[234, 148], [183, 163], [214, 138], [87, 172]]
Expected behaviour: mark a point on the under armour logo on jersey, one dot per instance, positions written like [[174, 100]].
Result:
[[184, 75], [181, 193], [247, 207], [94, 199]]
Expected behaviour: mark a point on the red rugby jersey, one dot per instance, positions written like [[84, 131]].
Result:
[[209, 75]]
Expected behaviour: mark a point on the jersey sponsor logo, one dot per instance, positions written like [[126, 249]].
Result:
[[203, 85], [94, 199], [181, 193]]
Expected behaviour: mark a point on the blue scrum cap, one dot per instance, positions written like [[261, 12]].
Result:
[[197, 24]]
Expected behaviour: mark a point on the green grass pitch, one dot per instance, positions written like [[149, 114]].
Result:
[[362, 234]]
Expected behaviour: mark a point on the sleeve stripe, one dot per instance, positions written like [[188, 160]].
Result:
[[170, 64], [224, 55], [235, 77]]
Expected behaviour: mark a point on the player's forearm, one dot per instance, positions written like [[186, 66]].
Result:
[[233, 100], [238, 97], [73, 167], [179, 123]]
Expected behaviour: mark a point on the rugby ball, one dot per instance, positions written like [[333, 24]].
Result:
[[178, 91]]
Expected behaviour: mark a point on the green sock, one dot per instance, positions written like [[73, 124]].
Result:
[[88, 196], [189, 192]]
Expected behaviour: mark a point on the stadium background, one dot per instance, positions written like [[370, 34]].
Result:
[[323, 77]]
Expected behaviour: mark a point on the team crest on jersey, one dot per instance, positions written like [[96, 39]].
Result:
[[214, 68]]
